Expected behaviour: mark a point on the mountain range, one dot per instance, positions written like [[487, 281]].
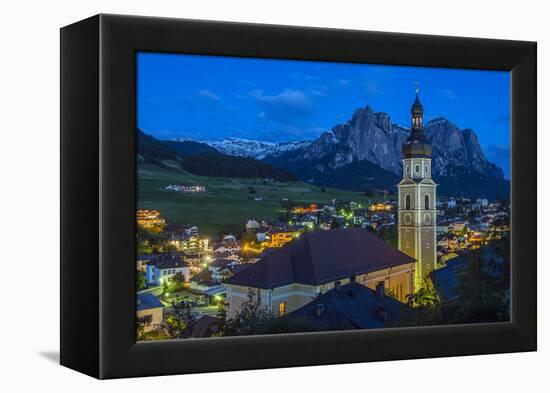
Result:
[[363, 153]]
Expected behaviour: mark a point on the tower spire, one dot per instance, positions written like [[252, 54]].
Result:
[[416, 143]]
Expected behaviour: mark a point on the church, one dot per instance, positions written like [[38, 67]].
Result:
[[417, 214], [288, 278]]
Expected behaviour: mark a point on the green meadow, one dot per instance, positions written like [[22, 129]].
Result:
[[227, 203]]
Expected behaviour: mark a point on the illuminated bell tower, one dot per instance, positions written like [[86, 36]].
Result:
[[416, 201]]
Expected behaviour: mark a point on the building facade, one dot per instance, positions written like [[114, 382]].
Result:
[[417, 213], [162, 269], [149, 311]]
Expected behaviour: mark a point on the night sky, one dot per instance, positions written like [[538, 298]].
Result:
[[212, 97]]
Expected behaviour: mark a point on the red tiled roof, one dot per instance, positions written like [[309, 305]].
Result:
[[319, 257]]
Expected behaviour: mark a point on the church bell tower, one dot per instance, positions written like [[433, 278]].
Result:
[[416, 204]]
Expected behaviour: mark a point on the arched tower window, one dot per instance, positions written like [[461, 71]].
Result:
[[408, 202], [427, 202]]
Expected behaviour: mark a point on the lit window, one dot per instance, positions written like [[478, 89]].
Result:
[[282, 309]]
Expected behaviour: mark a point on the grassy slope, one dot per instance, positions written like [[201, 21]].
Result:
[[226, 206]]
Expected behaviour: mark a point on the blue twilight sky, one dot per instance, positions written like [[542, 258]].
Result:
[[214, 97]]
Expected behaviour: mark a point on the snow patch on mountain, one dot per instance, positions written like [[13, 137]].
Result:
[[240, 147]]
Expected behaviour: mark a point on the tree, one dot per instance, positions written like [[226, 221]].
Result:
[[141, 324], [423, 297], [165, 288], [179, 323], [140, 281], [177, 281], [222, 316]]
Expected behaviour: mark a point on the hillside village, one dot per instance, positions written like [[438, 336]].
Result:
[[329, 264], [181, 269]]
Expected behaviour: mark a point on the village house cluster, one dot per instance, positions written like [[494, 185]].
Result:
[[185, 189], [209, 267], [467, 224]]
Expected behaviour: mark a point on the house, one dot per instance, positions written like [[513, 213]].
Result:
[[192, 230], [482, 202], [149, 310], [295, 274], [216, 267], [278, 237], [142, 261], [351, 306], [227, 247], [458, 226], [150, 219], [230, 238], [195, 245], [227, 250], [162, 268], [261, 236], [202, 281], [252, 226]]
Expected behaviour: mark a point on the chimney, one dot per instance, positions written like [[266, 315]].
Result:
[[337, 285], [380, 290], [319, 309]]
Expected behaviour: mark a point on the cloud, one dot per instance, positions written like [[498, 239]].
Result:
[[208, 94], [290, 107], [448, 93], [319, 92], [371, 87], [294, 99]]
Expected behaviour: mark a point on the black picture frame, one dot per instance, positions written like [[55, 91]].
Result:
[[98, 182]]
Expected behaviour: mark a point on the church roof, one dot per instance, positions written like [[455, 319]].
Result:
[[319, 257]]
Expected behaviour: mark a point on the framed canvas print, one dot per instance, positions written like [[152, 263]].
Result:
[[239, 196]]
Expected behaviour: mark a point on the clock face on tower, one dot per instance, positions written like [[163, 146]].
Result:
[[407, 218], [427, 219]]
